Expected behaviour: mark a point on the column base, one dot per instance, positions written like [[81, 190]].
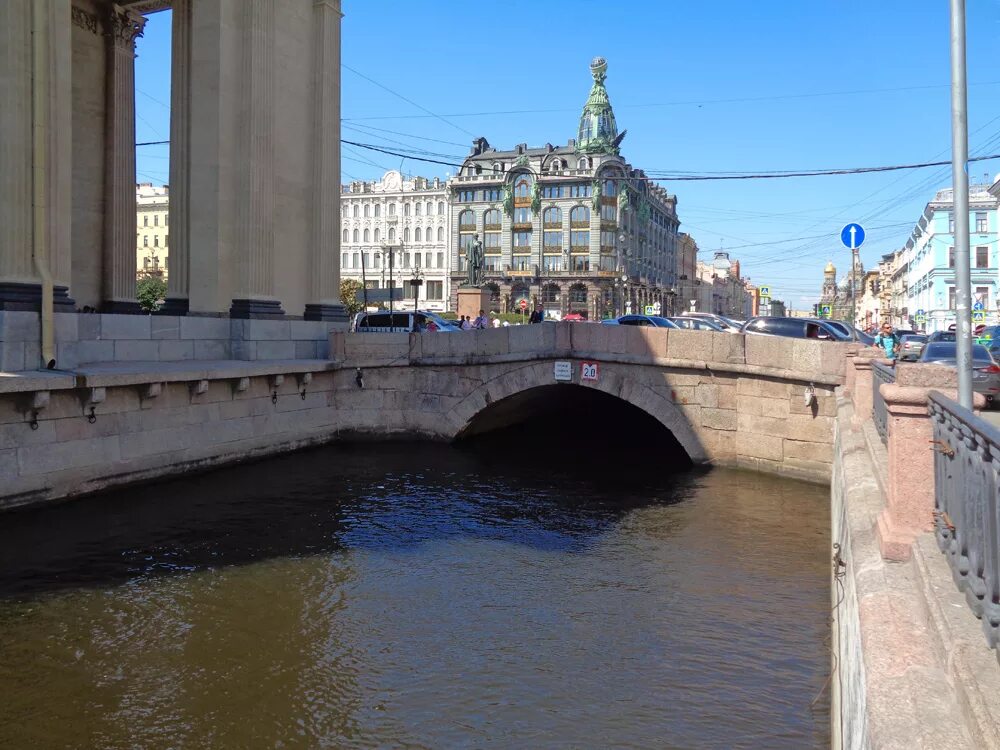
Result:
[[321, 311], [16, 296], [258, 309], [122, 307], [175, 306]]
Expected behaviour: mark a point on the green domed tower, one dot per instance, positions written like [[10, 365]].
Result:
[[598, 131]]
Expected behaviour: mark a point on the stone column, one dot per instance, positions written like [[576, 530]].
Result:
[[178, 277], [324, 245], [861, 393], [254, 296], [123, 27]]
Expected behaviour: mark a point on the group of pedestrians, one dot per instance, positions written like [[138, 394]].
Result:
[[466, 323]]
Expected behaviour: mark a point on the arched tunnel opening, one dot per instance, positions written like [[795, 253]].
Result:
[[576, 426]]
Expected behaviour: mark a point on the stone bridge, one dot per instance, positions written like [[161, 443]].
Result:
[[725, 399]]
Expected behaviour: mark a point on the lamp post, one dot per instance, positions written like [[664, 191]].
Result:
[[416, 282], [622, 270]]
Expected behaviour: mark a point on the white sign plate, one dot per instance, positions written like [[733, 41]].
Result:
[[564, 371], [588, 371]]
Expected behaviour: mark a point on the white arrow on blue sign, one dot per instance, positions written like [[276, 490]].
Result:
[[978, 306], [852, 236], [920, 311]]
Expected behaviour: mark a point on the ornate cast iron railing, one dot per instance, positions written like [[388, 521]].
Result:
[[881, 374], [967, 507]]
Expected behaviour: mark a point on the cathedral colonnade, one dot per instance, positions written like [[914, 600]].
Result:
[[254, 156]]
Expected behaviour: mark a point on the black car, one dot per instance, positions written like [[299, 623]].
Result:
[[796, 328], [948, 336]]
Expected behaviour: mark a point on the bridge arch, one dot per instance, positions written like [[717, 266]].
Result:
[[509, 396]]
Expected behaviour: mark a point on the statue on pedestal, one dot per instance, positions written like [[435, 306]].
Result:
[[476, 261]]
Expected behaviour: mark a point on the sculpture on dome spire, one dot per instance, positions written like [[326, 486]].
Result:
[[598, 132]]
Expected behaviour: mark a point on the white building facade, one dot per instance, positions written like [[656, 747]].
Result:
[[395, 232]]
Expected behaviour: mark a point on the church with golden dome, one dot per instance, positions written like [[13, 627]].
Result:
[[838, 294]]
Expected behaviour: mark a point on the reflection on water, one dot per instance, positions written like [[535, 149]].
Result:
[[419, 596]]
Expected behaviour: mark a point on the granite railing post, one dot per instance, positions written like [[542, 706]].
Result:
[[861, 393]]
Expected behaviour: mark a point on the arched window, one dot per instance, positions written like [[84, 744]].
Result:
[[367, 235], [417, 235], [440, 208], [392, 209], [552, 217], [355, 211], [466, 221], [392, 235], [416, 209], [429, 208], [343, 211], [522, 186], [496, 168], [550, 294], [366, 209], [579, 216], [406, 209], [406, 234], [584, 163], [440, 234], [610, 188], [345, 235], [355, 235], [378, 210], [578, 294], [378, 235], [492, 219]]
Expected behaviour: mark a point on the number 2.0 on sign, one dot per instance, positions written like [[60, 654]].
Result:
[[588, 371]]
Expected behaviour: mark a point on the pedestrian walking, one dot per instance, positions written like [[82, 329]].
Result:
[[481, 322], [537, 315], [887, 341]]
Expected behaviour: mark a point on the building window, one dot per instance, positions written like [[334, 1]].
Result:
[[343, 261], [354, 236], [552, 217], [609, 188], [492, 263], [367, 236], [492, 219], [552, 263], [579, 240], [522, 187], [430, 208], [406, 261], [392, 235], [145, 240], [378, 234], [522, 215], [406, 209], [608, 263], [440, 234], [356, 261], [409, 290], [521, 263], [982, 295], [579, 217], [145, 264], [406, 232], [416, 209], [418, 236], [145, 221], [579, 263], [982, 257], [951, 298], [609, 212], [166, 240], [392, 209], [552, 191], [552, 239], [491, 194], [440, 260], [951, 223], [466, 196], [440, 208], [522, 241], [981, 222], [951, 257], [366, 210], [435, 290], [378, 210], [578, 294], [579, 191], [491, 242], [156, 241], [550, 294], [466, 221], [345, 236], [354, 212]]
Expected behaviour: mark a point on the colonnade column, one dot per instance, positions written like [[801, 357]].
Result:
[[118, 293], [254, 296], [178, 258], [324, 245]]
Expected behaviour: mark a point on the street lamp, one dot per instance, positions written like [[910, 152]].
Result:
[[622, 269], [417, 281]]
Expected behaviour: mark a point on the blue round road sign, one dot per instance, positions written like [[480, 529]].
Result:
[[852, 236]]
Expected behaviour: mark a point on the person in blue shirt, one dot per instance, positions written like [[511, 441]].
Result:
[[887, 341]]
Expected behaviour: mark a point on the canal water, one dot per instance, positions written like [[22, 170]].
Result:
[[422, 596]]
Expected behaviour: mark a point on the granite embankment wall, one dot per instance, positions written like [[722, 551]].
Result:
[[729, 400]]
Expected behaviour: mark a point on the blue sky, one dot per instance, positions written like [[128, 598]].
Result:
[[701, 87]]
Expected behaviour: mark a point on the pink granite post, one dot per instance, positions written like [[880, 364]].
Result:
[[910, 473], [861, 392]]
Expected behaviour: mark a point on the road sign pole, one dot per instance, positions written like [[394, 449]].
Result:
[[854, 281], [960, 194]]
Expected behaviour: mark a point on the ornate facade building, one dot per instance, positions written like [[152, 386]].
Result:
[[152, 231], [407, 219], [838, 295], [575, 228]]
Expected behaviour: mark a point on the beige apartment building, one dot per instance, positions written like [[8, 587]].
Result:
[[152, 230]]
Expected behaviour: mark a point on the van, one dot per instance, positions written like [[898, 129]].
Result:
[[400, 322]]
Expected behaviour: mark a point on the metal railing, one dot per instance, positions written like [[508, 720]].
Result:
[[967, 508], [881, 374]]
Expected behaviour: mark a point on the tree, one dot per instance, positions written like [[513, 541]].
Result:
[[349, 289], [150, 291]]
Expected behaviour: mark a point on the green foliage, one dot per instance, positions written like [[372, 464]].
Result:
[[150, 291], [350, 295]]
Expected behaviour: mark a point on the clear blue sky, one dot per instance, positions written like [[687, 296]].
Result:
[[701, 87]]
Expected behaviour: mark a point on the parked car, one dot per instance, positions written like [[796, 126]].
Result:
[[696, 324], [990, 338], [852, 333], [941, 336], [401, 322], [910, 347], [798, 328], [726, 324], [654, 321], [985, 372]]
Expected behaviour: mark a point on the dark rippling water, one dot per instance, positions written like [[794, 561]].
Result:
[[420, 596]]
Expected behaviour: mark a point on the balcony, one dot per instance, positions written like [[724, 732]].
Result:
[[521, 226]]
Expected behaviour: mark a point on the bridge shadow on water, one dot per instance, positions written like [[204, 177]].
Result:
[[553, 471]]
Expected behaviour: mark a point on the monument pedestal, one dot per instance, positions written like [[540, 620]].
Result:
[[471, 300]]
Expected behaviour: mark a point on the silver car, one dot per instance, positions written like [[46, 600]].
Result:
[[696, 324], [910, 347], [985, 372]]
